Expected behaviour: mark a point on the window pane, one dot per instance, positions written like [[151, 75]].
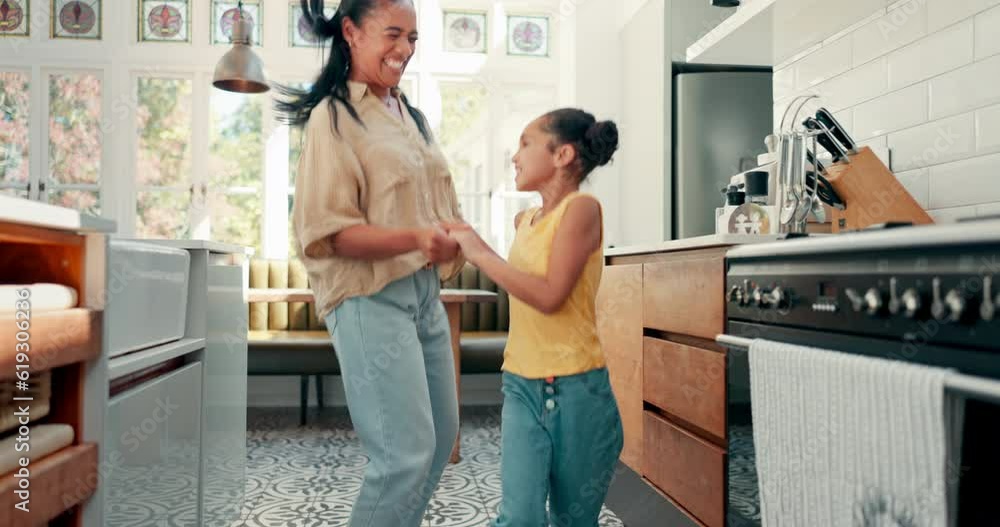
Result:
[[14, 127], [462, 132], [295, 137], [292, 240], [17, 193], [75, 128], [163, 214], [164, 132], [85, 201], [236, 152], [236, 218]]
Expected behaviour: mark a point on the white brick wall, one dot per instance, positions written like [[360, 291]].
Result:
[[919, 76]]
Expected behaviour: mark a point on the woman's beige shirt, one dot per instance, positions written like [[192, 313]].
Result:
[[381, 172]]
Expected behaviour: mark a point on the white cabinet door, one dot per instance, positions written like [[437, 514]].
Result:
[[153, 451]]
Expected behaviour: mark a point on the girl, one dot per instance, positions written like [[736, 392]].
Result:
[[561, 431], [371, 188]]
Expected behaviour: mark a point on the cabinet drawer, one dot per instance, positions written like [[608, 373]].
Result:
[[686, 468], [685, 294], [687, 382]]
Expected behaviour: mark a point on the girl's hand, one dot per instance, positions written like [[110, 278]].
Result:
[[473, 247], [435, 244]]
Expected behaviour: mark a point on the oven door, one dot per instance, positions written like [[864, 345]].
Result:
[[980, 457]]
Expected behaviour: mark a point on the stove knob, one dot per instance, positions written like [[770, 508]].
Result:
[[895, 304], [735, 295], [780, 299], [874, 302], [956, 303], [988, 308], [912, 303], [939, 310], [857, 301]]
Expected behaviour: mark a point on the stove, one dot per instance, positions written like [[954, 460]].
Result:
[[921, 294]]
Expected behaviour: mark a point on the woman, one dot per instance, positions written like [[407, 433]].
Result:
[[371, 190]]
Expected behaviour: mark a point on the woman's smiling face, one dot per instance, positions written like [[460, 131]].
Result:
[[384, 43]]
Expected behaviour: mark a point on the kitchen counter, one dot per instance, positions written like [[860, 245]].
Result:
[[206, 245], [27, 212], [698, 242]]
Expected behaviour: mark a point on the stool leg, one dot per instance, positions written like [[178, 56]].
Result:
[[319, 390], [304, 402]]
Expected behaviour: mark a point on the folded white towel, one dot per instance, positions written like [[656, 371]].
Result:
[[42, 440], [846, 440], [44, 297]]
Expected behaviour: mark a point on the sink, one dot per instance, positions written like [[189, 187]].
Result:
[[147, 295]]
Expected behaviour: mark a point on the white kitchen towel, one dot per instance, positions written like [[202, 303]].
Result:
[[44, 297], [844, 440], [42, 440]]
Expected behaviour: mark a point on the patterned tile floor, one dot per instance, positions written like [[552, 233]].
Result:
[[309, 476]]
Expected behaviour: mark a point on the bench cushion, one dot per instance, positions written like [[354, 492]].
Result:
[[291, 353], [482, 352]]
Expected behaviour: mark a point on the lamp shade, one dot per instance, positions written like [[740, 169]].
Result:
[[240, 69]]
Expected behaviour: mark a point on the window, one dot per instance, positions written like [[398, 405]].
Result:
[[74, 142], [163, 158], [462, 134], [235, 168], [14, 133]]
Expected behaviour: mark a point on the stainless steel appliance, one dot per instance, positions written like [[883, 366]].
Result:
[[721, 118], [925, 295]]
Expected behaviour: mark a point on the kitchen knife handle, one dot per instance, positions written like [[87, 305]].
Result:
[[825, 139], [824, 116]]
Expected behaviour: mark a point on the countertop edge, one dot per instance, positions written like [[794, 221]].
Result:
[[206, 245], [699, 242], [36, 214]]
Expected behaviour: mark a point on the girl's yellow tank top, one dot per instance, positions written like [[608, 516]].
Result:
[[565, 342]]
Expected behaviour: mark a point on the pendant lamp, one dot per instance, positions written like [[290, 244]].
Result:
[[240, 69]]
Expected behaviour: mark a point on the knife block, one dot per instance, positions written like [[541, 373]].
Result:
[[871, 194]]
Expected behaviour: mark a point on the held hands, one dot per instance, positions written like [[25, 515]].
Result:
[[436, 245], [473, 247]]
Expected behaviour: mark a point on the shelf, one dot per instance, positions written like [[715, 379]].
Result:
[[745, 38], [56, 338], [58, 482], [140, 360]]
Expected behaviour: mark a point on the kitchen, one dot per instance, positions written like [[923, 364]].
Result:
[[798, 304]]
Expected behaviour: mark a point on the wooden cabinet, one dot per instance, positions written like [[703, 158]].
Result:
[[669, 375], [619, 322], [683, 293], [687, 382], [687, 468]]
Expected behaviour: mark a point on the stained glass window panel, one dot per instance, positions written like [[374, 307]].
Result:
[[76, 19], [528, 35], [464, 32], [14, 104], [74, 128], [163, 125], [165, 21], [300, 34], [225, 13], [15, 18]]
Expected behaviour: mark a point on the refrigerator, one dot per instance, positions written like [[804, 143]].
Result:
[[720, 119]]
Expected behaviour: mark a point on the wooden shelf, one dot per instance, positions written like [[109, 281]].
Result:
[[56, 338], [58, 482]]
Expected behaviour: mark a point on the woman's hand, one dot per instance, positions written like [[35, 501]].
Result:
[[436, 245], [473, 247]]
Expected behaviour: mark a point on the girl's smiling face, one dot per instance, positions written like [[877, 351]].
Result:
[[534, 162]]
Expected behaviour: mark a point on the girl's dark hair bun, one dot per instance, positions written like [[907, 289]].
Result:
[[601, 140]]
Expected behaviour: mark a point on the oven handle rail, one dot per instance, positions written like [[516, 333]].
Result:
[[975, 387]]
